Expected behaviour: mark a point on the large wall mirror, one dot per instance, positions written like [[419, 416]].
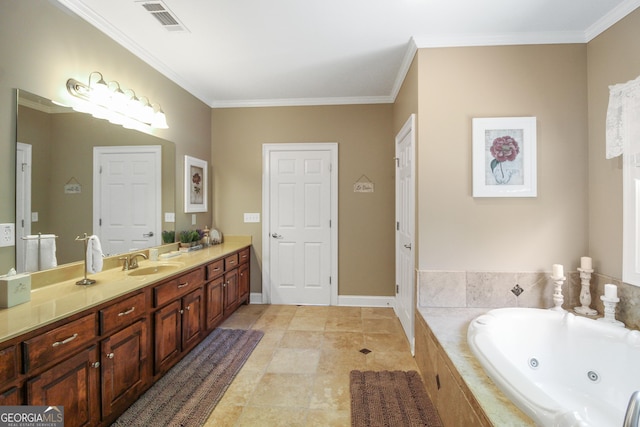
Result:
[[60, 145]]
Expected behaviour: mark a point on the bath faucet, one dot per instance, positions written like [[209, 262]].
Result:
[[131, 262], [632, 417]]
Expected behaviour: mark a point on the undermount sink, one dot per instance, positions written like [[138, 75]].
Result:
[[154, 269]]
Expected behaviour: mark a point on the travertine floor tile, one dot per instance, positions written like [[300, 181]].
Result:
[[298, 375]]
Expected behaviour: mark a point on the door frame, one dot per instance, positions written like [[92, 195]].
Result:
[[98, 151], [23, 201], [332, 147], [408, 129]]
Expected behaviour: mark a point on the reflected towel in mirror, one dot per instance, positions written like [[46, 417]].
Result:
[[40, 252], [94, 255]]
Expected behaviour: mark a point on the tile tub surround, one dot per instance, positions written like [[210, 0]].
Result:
[[473, 289], [449, 326]]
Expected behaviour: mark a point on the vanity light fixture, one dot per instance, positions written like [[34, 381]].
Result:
[[109, 101]]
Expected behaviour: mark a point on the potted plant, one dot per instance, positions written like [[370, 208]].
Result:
[[168, 236], [188, 238]]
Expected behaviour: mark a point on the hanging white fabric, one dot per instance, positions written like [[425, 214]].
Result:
[[623, 117]]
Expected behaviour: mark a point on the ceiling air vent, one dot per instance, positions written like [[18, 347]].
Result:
[[161, 12]]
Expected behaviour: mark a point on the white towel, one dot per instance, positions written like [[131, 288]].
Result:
[[94, 255], [47, 256]]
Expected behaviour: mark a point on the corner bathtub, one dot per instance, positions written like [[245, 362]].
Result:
[[558, 368]]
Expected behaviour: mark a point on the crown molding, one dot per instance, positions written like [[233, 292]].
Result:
[[607, 21], [301, 102]]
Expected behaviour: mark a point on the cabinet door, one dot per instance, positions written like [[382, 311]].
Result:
[[11, 397], [73, 384], [124, 367], [243, 282], [167, 327], [230, 289], [215, 301], [193, 318]]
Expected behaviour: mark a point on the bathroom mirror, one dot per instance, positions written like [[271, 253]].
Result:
[[61, 143]]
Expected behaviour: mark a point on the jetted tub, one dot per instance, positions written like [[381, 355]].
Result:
[[558, 368]]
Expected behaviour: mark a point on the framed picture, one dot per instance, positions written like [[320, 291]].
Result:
[[195, 185], [504, 157]]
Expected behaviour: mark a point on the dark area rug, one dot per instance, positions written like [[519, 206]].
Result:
[[390, 399], [186, 395]]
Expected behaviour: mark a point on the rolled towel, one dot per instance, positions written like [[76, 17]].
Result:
[[94, 255]]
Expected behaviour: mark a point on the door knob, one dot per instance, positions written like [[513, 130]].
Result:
[[276, 236], [407, 245], [149, 234]]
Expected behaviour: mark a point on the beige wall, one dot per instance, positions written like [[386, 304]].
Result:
[[41, 46], [613, 57], [459, 232], [365, 146]]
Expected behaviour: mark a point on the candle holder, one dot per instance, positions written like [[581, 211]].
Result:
[[585, 294], [558, 299], [610, 310]]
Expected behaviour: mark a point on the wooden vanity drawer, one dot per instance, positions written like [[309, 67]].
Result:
[[58, 342], [121, 313], [177, 287], [230, 262], [215, 269], [9, 367], [244, 256]]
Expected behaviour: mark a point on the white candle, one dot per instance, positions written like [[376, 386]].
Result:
[[585, 263], [557, 271], [610, 291]]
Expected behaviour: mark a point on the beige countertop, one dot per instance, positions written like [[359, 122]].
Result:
[[59, 300], [449, 325]]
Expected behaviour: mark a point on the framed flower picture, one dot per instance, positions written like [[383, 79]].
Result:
[[504, 157], [195, 185]]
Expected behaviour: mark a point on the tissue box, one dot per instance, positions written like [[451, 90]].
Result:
[[14, 290]]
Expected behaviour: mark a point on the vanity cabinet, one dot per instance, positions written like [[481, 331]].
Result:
[[179, 325], [243, 276], [72, 383], [123, 353], [10, 392], [97, 362]]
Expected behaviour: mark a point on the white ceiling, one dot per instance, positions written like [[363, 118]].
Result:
[[238, 53]]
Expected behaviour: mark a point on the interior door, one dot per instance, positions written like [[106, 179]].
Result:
[[127, 197], [405, 227], [23, 201], [299, 229]]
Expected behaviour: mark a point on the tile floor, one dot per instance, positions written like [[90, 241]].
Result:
[[298, 375]]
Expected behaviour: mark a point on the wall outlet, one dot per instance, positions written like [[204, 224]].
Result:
[[169, 217], [251, 217], [7, 235]]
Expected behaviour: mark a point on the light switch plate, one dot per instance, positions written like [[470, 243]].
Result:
[[34, 216], [193, 219], [7, 235], [169, 217], [252, 217]]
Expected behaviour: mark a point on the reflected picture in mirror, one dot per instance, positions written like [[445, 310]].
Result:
[[61, 194]]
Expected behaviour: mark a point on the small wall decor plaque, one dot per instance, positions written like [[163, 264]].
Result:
[[72, 186], [363, 185]]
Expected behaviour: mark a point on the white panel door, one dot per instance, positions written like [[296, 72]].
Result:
[[300, 227], [127, 207], [405, 228]]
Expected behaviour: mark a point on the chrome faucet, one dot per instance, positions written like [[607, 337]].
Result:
[[130, 262], [632, 417]]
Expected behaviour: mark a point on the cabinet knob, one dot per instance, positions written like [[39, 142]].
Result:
[[181, 311], [95, 365], [110, 355], [188, 307]]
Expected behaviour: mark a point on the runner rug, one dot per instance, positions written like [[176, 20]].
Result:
[[187, 394], [389, 399]]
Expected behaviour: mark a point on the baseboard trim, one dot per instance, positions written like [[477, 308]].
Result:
[[345, 300], [366, 301]]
